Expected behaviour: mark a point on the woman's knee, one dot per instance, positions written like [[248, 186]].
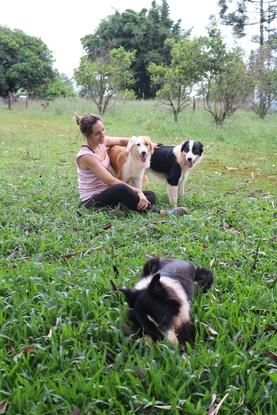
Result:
[[150, 196], [122, 188]]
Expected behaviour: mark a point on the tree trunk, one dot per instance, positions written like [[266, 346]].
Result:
[[261, 22], [261, 41], [10, 101], [175, 115], [193, 104]]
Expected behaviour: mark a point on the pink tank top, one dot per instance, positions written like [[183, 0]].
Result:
[[88, 183]]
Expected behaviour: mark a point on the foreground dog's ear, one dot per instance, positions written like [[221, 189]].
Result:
[[130, 296], [151, 266], [204, 278], [155, 287]]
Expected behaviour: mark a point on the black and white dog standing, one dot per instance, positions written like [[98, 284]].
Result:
[[159, 304], [173, 164]]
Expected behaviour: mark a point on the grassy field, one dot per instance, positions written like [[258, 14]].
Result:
[[62, 350]]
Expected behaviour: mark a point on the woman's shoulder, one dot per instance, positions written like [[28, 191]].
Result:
[[85, 151]]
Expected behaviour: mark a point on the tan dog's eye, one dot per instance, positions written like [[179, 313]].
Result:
[[146, 144], [138, 144]]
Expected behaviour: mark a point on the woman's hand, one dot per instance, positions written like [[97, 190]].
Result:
[[143, 202]]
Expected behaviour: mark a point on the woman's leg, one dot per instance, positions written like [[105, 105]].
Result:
[[119, 193]]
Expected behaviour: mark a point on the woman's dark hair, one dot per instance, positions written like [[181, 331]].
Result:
[[86, 122]]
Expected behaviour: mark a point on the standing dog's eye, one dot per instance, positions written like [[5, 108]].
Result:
[[138, 144], [146, 144]]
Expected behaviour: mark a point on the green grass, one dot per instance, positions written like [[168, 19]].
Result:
[[61, 342]]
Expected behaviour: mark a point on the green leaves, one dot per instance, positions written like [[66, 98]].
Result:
[[26, 62], [144, 32], [176, 80], [107, 75]]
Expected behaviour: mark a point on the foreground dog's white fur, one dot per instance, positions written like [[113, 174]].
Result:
[[173, 164], [129, 163]]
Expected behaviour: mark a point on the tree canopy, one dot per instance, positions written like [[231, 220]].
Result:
[[176, 80], [108, 74], [243, 13], [25, 61], [59, 86], [262, 63], [262, 71], [224, 85], [145, 33]]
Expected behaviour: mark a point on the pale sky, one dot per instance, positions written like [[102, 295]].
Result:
[[60, 24]]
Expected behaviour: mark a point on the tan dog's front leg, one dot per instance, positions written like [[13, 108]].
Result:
[[137, 182]]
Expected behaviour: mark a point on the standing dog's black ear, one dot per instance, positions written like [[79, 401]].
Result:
[[130, 296], [155, 287], [198, 148], [201, 148], [185, 146]]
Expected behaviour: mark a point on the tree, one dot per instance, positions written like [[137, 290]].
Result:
[[248, 13], [143, 32], [224, 87], [108, 74], [176, 80], [262, 71], [59, 86], [262, 13], [25, 61]]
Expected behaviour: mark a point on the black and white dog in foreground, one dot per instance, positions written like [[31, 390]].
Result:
[[172, 163], [159, 304]]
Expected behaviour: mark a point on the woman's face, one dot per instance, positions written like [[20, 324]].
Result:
[[97, 135]]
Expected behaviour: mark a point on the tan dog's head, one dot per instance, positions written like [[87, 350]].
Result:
[[141, 148]]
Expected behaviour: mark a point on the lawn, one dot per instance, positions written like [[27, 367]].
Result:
[[62, 349]]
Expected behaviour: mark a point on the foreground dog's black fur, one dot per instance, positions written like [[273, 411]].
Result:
[[172, 163], [159, 304]]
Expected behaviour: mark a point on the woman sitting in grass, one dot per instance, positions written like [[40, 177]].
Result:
[[97, 186]]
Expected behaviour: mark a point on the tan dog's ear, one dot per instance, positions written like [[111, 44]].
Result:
[[130, 144], [151, 145]]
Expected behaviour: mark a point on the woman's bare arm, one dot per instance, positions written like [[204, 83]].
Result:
[[120, 141], [87, 162]]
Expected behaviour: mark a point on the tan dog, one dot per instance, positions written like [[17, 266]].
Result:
[[129, 163]]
